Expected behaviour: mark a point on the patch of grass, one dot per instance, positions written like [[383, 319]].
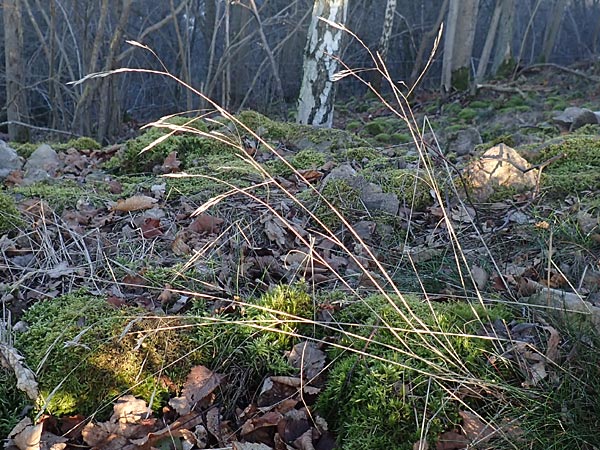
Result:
[[10, 216], [379, 404], [12, 402]]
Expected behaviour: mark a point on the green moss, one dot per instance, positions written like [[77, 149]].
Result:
[[85, 363], [515, 101], [189, 147], [467, 114], [379, 404], [24, 149], [460, 79], [588, 129], [353, 125], [480, 104], [64, 193], [12, 402], [383, 137], [451, 109], [10, 217], [342, 196], [454, 128], [506, 69], [577, 171], [376, 126], [361, 153], [308, 159], [409, 185], [556, 103], [401, 138], [519, 108], [82, 143]]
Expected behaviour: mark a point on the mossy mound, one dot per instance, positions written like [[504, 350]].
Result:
[[409, 185], [62, 194], [84, 361], [577, 171], [372, 401]]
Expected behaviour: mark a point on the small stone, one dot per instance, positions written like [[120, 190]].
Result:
[[9, 160], [43, 164]]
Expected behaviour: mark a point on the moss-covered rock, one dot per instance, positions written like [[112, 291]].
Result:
[[408, 185], [308, 159]]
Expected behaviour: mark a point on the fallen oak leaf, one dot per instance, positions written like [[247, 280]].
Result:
[[135, 203], [205, 223]]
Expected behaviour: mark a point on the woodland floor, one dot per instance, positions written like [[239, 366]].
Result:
[[115, 259]]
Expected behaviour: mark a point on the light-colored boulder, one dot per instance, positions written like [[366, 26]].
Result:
[[500, 167]]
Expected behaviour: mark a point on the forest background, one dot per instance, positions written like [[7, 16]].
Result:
[[249, 54]]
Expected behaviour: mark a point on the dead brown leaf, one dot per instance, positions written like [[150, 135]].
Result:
[[474, 428], [151, 228], [135, 203], [451, 440], [171, 163], [205, 223], [307, 357], [197, 390]]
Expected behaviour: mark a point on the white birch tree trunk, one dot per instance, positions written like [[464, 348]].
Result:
[[315, 102], [388, 25]]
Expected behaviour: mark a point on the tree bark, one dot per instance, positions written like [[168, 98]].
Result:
[[426, 43], [16, 100], [458, 44], [315, 102], [489, 43], [504, 41], [384, 40], [553, 26]]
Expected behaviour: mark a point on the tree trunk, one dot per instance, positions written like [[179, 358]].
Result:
[[489, 43], [458, 44], [110, 103], [426, 43], [503, 57], [553, 26], [16, 100], [384, 40], [315, 103]]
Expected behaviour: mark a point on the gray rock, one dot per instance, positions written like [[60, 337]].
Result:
[[9, 160], [346, 173], [574, 117], [43, 164], [464, 141], [384, 202]]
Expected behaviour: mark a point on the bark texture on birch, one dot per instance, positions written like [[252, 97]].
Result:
[[315, 103]]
